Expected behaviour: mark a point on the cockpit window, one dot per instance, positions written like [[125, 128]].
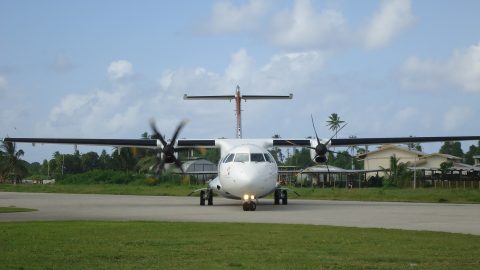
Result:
[[268, 157], [241, 157], [254, 157], [229, 158]]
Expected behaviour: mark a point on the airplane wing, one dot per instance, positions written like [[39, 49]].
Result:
[[141, 143], [144, 143], [396, 140]]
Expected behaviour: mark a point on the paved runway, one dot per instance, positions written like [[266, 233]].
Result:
[[460, 218]]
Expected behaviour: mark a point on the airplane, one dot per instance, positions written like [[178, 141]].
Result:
[[246, 169]]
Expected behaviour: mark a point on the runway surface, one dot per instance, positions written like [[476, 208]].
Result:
[[459, 218]]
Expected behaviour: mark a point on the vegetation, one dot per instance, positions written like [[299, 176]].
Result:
[[398, 175], [175, 189], [452, 148], [167, 245], [334, 122], [12, 209], [11, 166]]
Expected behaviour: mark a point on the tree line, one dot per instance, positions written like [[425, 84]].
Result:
[[140, 160]]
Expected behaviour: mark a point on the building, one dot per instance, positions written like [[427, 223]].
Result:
[[477, 161], [428, 166], [201, 170], [380, 159]]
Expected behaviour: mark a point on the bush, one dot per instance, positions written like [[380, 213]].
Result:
[[103, 177]]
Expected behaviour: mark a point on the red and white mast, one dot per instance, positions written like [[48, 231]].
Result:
[[238, 112], [238, 104]]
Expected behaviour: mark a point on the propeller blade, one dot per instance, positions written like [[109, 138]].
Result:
[[336, 132], [157, 133], [167, 152], [314, 129], [302, 146], [328, 171], [177, 131], [179, 164]]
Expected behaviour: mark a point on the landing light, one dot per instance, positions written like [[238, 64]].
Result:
[[245, 197], [252, 197]]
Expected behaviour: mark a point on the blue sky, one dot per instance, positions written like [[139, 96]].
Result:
[[104, 68]]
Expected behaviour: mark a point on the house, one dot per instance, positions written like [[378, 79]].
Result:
[[434, 161], [380, 159], [416, 160], [477, 160], [201, 169]]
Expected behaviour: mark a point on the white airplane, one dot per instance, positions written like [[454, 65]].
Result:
[[246, 170]]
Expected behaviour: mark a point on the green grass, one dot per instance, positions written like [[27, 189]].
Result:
[[159, 190], [393, 194], [459, 195], [13, 209], [163, 245]]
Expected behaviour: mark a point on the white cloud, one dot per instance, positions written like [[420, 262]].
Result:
[[228, 18], [464, 68], [120, 70], [3, 83], [393, 17], [240, 66], [303, 28], [462, 71], [456, 117]]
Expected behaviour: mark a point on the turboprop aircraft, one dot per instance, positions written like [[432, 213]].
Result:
[[246, 170]]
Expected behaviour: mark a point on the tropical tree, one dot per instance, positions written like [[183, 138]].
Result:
[[334, 122], [300, 158], [12, 166], [452, 148], [398, 172]]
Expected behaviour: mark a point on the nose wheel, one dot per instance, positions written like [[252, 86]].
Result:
[[249, 206]]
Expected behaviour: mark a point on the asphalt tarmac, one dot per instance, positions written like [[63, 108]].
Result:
[[458, 218]]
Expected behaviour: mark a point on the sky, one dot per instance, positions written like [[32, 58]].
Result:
[[104, 69]]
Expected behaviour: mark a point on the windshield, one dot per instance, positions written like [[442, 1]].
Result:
[[229, 158], [257, 157], [241, 157]]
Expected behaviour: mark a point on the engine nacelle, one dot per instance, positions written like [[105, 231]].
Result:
[[320, 159]]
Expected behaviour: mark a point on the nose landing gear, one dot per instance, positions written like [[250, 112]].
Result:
[[249, 206]]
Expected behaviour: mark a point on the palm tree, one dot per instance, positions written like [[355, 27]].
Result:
[[334, 122], [12, 166], [397, 173]]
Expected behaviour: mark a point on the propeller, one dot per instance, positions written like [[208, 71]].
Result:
[[321, 149], [166, 154]]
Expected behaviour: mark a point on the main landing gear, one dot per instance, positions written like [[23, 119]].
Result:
[[280, 195], [206, 195]]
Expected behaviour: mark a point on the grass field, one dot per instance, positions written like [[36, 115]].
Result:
[[12, 209], [160, 245], [459, 195]]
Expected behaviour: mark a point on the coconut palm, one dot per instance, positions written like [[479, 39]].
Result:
[[12, 166], [334, 122]]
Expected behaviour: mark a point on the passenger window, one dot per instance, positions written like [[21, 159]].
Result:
[[229, 158], [241, 157], [268, 158], [254, 157]]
